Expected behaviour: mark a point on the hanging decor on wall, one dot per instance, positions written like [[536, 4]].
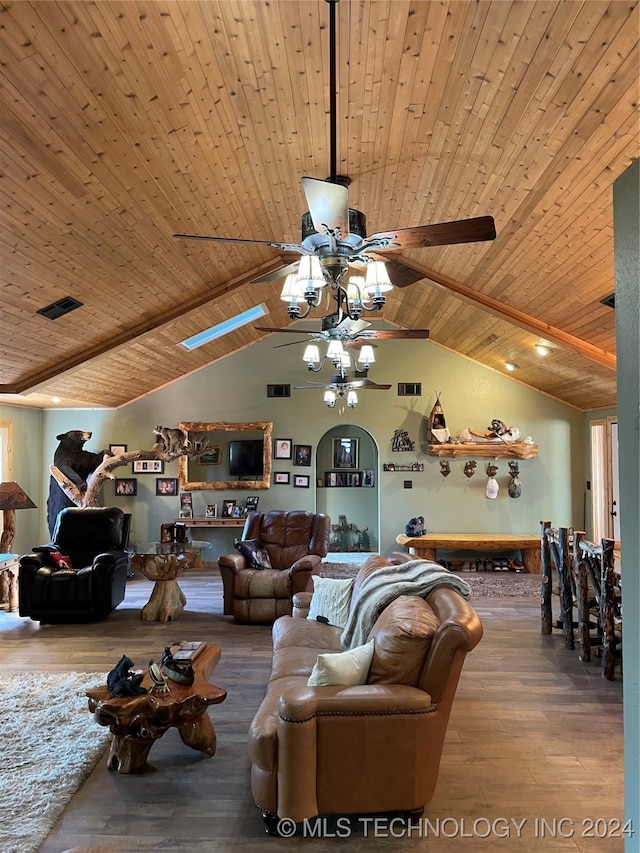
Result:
[[514, 487], [401, 441], [492, 484], [445, 468], [470, 468]]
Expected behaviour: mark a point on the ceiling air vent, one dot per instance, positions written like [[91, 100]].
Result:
[[609, 301], [57, 309]]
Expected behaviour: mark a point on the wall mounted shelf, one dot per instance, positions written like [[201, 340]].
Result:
[[516, 450]]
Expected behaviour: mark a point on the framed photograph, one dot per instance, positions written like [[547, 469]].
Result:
[[117, 449], [302, 454], [237, 512], [148, 466], [281, 478], [333, 479], [300, 481], [211, 511], [282, 448], [167, 532], [251, 504], [167, 486], [368, 477], [126, 486], [213, 456], [186, 505], [228, 507], [354, 478], [345, 452]]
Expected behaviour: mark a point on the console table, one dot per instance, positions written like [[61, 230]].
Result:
[[212, 522], [426, 547]]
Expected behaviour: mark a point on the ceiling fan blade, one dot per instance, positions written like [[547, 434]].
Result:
[[398, 334], [312, 385], [286, 331], [445, 234], [286, 247], [367, 385], [328, 205]]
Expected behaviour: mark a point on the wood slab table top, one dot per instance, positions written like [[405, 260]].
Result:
[[136, 722], [469, 541], [425, 547]]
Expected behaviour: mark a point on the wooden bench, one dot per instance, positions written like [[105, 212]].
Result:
[[426, 547]]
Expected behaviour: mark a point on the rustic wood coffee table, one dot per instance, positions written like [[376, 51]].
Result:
[[136, 722]]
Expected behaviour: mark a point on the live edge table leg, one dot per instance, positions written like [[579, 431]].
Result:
[[199, 733]]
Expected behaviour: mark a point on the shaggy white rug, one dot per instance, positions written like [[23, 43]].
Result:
[[49, 743]]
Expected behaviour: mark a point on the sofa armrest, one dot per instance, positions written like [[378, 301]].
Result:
[[306, 564], [348, 733], [235, 562], [301, 702], [301, 604]]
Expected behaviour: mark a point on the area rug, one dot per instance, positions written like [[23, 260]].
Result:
[[49, 743], [483, 584]]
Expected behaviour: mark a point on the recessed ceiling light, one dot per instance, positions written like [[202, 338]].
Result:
[[56, 399], [510, 366], [224, 328], [543, 349]]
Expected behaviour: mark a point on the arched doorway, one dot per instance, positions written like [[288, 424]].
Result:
[[347, 464]]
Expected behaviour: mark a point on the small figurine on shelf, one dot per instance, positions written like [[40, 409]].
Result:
[[437, 432]]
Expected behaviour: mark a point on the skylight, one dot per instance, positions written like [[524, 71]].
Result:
[[224, 328]]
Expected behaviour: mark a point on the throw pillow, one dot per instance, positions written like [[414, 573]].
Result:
[[330, 601], [60, 561], [342, 668], [254, 553]]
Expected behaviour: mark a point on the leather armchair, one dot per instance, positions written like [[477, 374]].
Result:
[[296, 542], [94, 539]]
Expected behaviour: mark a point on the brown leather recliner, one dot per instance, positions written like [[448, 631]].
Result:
[[295, 541]]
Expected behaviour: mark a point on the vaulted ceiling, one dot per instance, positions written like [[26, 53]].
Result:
[[123, 123]]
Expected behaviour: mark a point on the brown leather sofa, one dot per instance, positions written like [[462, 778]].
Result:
[[295, 542], [368, 748]]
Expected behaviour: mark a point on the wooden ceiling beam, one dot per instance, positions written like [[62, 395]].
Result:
[[550, 333], [32, 381]]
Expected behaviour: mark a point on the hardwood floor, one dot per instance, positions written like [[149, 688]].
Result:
[[535, 736]]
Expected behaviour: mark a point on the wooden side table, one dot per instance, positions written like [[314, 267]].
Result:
[[9, 581], [136, 722]]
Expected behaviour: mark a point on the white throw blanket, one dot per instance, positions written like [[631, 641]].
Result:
[[381, 587]]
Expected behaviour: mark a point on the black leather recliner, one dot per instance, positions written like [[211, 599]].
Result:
[[94, 540]]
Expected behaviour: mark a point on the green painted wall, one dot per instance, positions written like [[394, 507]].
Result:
[[626, 207], [234, 390], [28, 464]]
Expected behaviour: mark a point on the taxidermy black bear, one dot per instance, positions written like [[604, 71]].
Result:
[[415, 527], [76, 464]]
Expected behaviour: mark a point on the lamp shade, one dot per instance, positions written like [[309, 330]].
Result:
[[14, 497]]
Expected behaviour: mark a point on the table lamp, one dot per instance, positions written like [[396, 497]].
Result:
[[12, 497]]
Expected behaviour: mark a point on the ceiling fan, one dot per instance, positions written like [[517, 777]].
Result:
[[343, 386], [334, 238]]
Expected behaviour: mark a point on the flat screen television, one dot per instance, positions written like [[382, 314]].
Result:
[[246, 458]]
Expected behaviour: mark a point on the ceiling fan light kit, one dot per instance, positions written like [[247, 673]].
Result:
[[336, 251]]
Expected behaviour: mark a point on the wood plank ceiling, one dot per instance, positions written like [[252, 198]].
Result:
[[125, 122]]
